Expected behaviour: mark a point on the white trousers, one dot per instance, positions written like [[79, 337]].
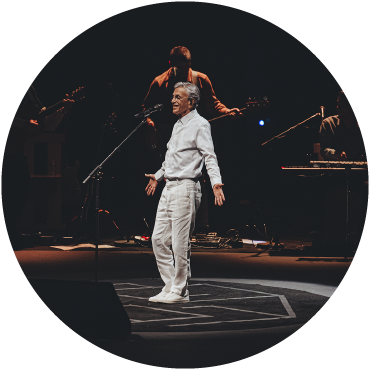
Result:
[[174, 224]]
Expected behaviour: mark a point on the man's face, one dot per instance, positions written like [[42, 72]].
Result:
[[181, 105]]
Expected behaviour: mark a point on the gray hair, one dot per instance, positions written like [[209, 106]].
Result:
[[192, 91]]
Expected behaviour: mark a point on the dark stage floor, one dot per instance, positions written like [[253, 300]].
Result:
[[243, 301]]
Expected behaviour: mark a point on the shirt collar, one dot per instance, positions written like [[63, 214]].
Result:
[[184, 120], [189, 78]]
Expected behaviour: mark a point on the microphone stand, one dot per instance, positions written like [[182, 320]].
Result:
[[291, 128], [276, 232], [95, 175]]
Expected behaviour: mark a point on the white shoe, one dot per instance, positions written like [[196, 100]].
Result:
[[159, 297], [176, 298]]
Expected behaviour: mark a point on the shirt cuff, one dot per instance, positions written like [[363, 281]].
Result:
[[159, 175], [215, 180]]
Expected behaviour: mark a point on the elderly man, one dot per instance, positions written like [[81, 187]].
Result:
[[189, 148]]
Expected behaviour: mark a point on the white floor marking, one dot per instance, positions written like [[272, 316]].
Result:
[[131, 284], [222, 322], [244, 290], [237, 309], [192, 315], [142, 287], [320, 289], [131, 296], [227, 299], [287, 306], [283, 300], [173, 319]]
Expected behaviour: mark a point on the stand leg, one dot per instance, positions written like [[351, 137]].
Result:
[[347, 211], [96, 227]]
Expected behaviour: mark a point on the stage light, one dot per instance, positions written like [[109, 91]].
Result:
[[261, 122]]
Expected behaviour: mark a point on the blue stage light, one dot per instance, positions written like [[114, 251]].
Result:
[[261, 122]]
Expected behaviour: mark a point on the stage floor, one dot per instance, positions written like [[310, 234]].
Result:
[[241, 302], [217, 306]]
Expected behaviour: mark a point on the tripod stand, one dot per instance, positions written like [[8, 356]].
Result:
[[95, 176], [276, 227]]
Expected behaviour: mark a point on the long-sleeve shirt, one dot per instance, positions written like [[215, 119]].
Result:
[[335, 138], [189, 148]]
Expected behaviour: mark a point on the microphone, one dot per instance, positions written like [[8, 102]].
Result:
[[322, 112], [149, 111]]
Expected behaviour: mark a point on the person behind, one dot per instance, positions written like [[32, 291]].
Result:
[[189, 148], [341, 140], [16, 177], [340, 135], [160, 92]]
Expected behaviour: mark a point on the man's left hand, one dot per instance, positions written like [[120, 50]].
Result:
[[219, 194], [152, 185], [234, 113], [68, 103]]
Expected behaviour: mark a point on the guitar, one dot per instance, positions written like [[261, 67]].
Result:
[[37, 121], [29, 111], [251, 105]]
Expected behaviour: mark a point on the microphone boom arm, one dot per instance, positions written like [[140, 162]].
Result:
[[100, 166], [291, 128]]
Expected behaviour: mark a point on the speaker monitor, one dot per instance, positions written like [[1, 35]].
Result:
[[91, 309]]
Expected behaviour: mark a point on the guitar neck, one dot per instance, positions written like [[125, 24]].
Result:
[[77, 94], [250, 105], [51, 109]]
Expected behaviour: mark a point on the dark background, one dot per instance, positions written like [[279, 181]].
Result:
[[243, 55]]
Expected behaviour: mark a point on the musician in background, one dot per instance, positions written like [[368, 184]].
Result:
[[16, 178], [341, 140], [340, 136], [160, 92]]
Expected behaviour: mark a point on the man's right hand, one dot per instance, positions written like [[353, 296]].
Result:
[[152, 185], [341, 156]]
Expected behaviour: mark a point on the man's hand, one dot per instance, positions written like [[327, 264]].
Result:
[[341, 156], [68, 103], [152, 185], [234, 113], [219, 194], [32, 127]]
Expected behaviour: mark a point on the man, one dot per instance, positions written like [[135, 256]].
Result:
[[341, 140], [340, 135], [16, 178], [189, 148]]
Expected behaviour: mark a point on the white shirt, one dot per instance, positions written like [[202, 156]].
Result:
[[189, 148]]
